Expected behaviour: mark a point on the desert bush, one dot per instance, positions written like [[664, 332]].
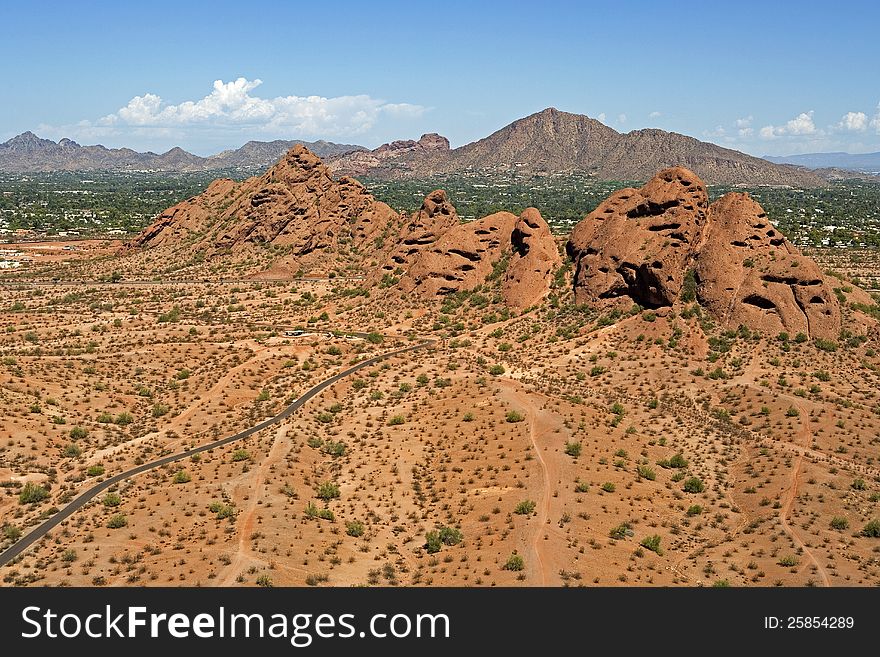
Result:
[[694, 485], [652, 543], [525, 507], [515, 563], [32, 493], [117, 522], [355, 528]]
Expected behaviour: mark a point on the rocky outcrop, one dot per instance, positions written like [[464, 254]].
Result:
[[401, 152], [436, 216], [437, 255], [295, 206], [748, 273], [534, 261], [461, 258], [639, 243]]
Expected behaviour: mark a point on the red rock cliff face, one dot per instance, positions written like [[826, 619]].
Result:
[[296, 205], [748, 273], [638, 246], [639, 242], [533, 263], [438, 255]]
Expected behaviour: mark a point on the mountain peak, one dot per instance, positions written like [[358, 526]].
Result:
[[28, 140]]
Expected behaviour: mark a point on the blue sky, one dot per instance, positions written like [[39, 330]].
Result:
[[763, 77]]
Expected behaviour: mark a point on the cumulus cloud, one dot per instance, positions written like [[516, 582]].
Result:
[[602, 117], [744, 122], [654, 115], [232, 104], [621, 118], [801, 125], [875, 122], [853, 121]]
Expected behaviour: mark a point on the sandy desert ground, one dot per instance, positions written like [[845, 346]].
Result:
[[557, 446]]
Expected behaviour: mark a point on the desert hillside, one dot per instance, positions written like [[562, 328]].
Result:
[[671, 395]]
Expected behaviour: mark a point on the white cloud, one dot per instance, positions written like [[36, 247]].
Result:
[[231, 104], [875, 122], [745, 133], [744, 122], [621, 118], [654, 115], [853, 121], [801, 125], [601, 117], [718, 131]]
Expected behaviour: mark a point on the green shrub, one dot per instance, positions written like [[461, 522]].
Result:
[[694, 485], [32, 493], [608, 487], [313, 511], [78, 433], [646, 472], [123, 419], [450, 536], [514, 416], [112, 499], [652, 543], [117, 522], [328, 491], [432, 542], [72, 450], [95, 470], [515, 563], [240, 455], [694, 510], [355, 528], [872, 529], [573, 449], [11, 533], [181, 477], [621, 531], [525, 507], [397, 420], [222, 510], [789, 561], [497, 370], [839, 523]]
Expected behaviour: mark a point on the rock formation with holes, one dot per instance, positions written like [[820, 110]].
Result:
[[438, 256], [640, 245], [748, 273]]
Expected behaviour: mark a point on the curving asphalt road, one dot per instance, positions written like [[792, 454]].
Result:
[[36, 534]]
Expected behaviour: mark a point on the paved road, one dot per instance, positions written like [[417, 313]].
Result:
[[36, 534]]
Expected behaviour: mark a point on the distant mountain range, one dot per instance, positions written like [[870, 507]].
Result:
[[552, 141], [862, 162], [29, 153], [549, 141]]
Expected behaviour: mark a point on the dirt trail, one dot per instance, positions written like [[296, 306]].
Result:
[[255, 485], [806, 434], [539, 424]]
